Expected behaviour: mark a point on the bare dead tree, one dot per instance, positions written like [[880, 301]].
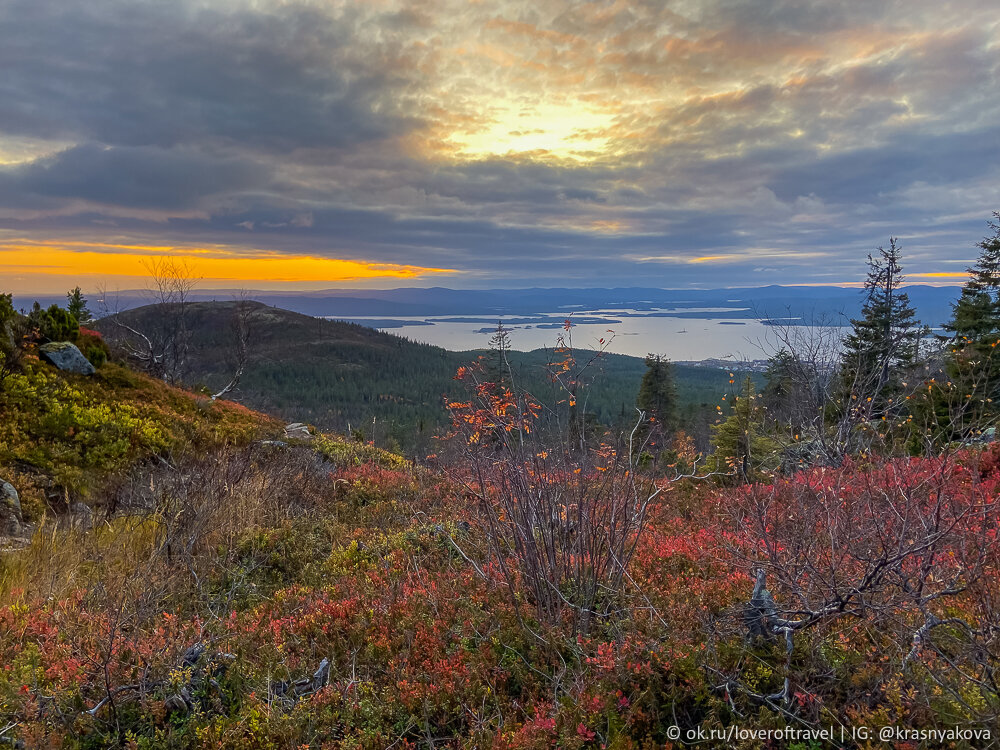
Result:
[[159, 343], [805, 356], [171, 283], [135, 344], [813, 350], [819, 417], [239, 348]]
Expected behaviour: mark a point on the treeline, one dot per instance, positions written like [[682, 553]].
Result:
[[890, 387], [395, 395]]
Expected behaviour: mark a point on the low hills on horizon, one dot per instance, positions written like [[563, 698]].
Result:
[[834, 304]]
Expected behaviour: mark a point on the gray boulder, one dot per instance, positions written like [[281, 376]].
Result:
[[66, 356], [10, 510], [297, 430]]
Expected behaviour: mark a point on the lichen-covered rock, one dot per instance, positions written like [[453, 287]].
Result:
[[67, 357], [10, 510], [297, 430]]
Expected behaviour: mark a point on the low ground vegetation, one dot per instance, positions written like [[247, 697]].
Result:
[[267, 596], [241, 590]]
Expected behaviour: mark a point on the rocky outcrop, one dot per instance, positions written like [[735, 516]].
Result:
[[10, 510], [66, 357]]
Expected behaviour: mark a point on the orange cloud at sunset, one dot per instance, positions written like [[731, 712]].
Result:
[[27, 261], [941, 275]]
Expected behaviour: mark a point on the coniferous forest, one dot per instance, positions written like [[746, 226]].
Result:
[[342, 376]]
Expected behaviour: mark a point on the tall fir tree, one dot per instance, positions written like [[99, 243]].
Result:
[[779, 385], [657, 399], [658, 391], [498, 365], [974, 362], [885, 341]]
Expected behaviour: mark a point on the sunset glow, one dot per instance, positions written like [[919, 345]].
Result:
[[958, 275], [130, 264], [545, 132]]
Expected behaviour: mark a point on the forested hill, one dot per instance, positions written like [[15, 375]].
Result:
[[340, 375]]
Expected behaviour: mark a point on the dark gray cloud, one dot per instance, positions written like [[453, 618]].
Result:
[[166, 73], [131, 177], [874, 173]]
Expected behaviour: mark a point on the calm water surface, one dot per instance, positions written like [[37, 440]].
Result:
[[631, 332]]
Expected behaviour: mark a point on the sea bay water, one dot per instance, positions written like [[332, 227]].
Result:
[[627, 331]]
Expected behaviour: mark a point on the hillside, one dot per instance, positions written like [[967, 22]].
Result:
[[341, 376], [64, 437], [234, 592], [68, 439]]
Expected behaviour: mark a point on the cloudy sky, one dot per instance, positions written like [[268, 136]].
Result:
[[472, 143]]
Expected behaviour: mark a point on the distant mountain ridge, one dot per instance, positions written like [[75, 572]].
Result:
[[836, 304]]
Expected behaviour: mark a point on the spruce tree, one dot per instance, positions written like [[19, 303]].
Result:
[[884, 341], [77, 306], [657, 400], [740, 445], [498, 366], [658, 393], [53, 324], [779, 385], [974, 363]]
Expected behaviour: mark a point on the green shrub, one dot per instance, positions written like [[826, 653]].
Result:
[[80, 433], [10, 338], [54, 324]]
